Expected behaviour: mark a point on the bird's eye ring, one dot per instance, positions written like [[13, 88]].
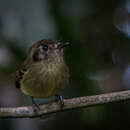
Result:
[[45, 47]]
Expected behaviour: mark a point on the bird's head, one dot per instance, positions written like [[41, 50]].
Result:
[[47, 49]]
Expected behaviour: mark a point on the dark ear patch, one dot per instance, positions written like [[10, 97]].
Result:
[[36, 56]]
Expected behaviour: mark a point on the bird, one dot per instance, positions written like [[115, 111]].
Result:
[[44, 73]]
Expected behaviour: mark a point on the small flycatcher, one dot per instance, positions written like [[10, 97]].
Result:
[[44, 73]]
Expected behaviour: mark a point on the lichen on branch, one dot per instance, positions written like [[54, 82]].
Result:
[[74, 103]]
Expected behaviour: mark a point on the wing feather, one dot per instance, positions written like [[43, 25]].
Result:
[[19, 76]]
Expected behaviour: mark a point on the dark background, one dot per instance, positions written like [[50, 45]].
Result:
[[98, 57]]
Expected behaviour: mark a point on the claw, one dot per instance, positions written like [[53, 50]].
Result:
[[60, 98], [35, 106]]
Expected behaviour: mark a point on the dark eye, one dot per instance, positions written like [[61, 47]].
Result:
[[45, 47]]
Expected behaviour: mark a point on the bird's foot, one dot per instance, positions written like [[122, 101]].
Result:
[[60, 98], [35, 106]]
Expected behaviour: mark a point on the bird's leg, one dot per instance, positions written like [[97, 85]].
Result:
[[34, 105], [60, 98]]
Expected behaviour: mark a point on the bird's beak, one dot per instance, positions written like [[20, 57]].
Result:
[[64, 44]]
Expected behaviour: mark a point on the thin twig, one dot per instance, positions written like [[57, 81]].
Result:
[[74, 103]]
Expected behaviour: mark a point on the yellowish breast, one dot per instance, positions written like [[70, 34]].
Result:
[[44, 80]]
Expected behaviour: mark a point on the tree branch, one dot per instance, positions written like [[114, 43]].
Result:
[[74, 103]]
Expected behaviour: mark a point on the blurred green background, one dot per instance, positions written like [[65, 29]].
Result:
[[98, 57]]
